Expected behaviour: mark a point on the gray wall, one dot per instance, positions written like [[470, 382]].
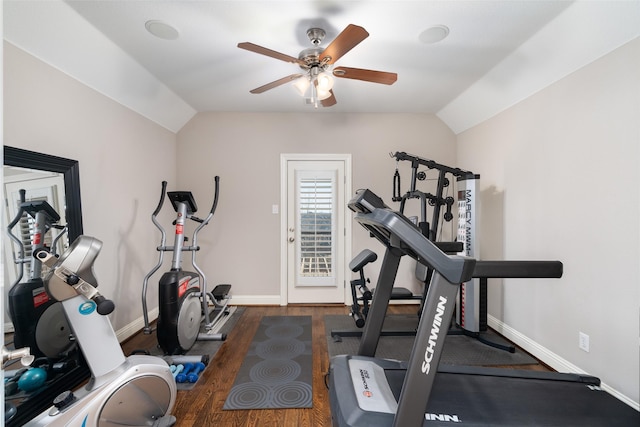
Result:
[[560, 174]]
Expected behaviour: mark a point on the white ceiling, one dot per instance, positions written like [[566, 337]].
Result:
[[497, 52]]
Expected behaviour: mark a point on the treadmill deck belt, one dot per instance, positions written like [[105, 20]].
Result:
[[481, 397]]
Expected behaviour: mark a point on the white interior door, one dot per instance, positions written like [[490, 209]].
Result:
[[315, 228]]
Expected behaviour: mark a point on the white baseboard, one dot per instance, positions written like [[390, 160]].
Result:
[[135, 326], [550, 358], [254, 300]]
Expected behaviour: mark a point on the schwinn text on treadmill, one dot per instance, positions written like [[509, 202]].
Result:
[[433, 337]]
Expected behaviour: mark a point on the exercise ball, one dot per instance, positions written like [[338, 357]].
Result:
[[32, 380]]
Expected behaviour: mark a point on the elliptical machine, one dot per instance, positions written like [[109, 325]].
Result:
[[38, 321], [136, 390], [183, 302]]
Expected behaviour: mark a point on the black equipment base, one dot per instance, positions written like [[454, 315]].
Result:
[[477, 396]]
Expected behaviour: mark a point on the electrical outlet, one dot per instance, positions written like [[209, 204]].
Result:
[[583, 341]]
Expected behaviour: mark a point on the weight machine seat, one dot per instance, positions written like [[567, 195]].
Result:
[[401, 293], [368, 256], [363, 258]]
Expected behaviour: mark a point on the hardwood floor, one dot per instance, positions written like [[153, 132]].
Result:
[[202, 406]]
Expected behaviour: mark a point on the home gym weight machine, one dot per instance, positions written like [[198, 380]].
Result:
[[137, 390], [429, 229], [471, 312], [183, 298], [372, 392], [39, 322]]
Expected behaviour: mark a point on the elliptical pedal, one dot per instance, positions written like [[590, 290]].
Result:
[[221, 291]]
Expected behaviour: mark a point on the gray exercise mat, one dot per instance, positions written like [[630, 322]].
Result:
[[458, 349], [277, 370]]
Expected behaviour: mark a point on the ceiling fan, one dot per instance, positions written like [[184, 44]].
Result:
[[317, 65]]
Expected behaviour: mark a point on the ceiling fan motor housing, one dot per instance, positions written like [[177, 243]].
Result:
[[311, 57], [316, 35]]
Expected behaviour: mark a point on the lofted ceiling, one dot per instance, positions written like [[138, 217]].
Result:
[[496, 52]]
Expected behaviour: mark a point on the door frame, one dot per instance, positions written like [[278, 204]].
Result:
[[284, 159]]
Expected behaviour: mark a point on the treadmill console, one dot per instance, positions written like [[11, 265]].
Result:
[[366, 201]]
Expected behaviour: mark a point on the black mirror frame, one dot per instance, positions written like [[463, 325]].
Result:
[[70, 170]]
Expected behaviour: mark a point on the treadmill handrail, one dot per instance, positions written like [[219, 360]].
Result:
[[518, 269], [402, 233]]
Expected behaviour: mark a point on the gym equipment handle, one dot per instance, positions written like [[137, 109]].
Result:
[[162, 192], [518, 269], [12, 224], [105, 306], [216, 192]]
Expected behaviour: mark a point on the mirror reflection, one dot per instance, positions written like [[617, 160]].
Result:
[[35, 207], [42, 209]]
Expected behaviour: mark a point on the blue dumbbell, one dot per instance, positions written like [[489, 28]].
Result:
[[182, 376], [194, 374]]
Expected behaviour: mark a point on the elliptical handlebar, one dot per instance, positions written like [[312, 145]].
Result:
[[216, 192], [161, 202], [21, 259], [203, 222], [216, 180], [13, 223]]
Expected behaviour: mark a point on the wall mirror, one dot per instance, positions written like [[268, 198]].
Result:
[[56, 181], [42, 176]]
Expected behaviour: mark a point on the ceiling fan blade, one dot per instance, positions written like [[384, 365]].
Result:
[[271, 53], [346, 40], [328, 102], [276, 83], [365, 75]]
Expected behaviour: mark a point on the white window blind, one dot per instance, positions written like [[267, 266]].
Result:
[[316, 226]]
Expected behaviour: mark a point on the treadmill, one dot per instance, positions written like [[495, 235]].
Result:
[[371, 392]]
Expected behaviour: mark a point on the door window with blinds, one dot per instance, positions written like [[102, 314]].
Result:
[[315, 193]]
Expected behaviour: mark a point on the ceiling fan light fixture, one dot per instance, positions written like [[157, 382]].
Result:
[[325, 81], [302, 85], [322, 94]]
